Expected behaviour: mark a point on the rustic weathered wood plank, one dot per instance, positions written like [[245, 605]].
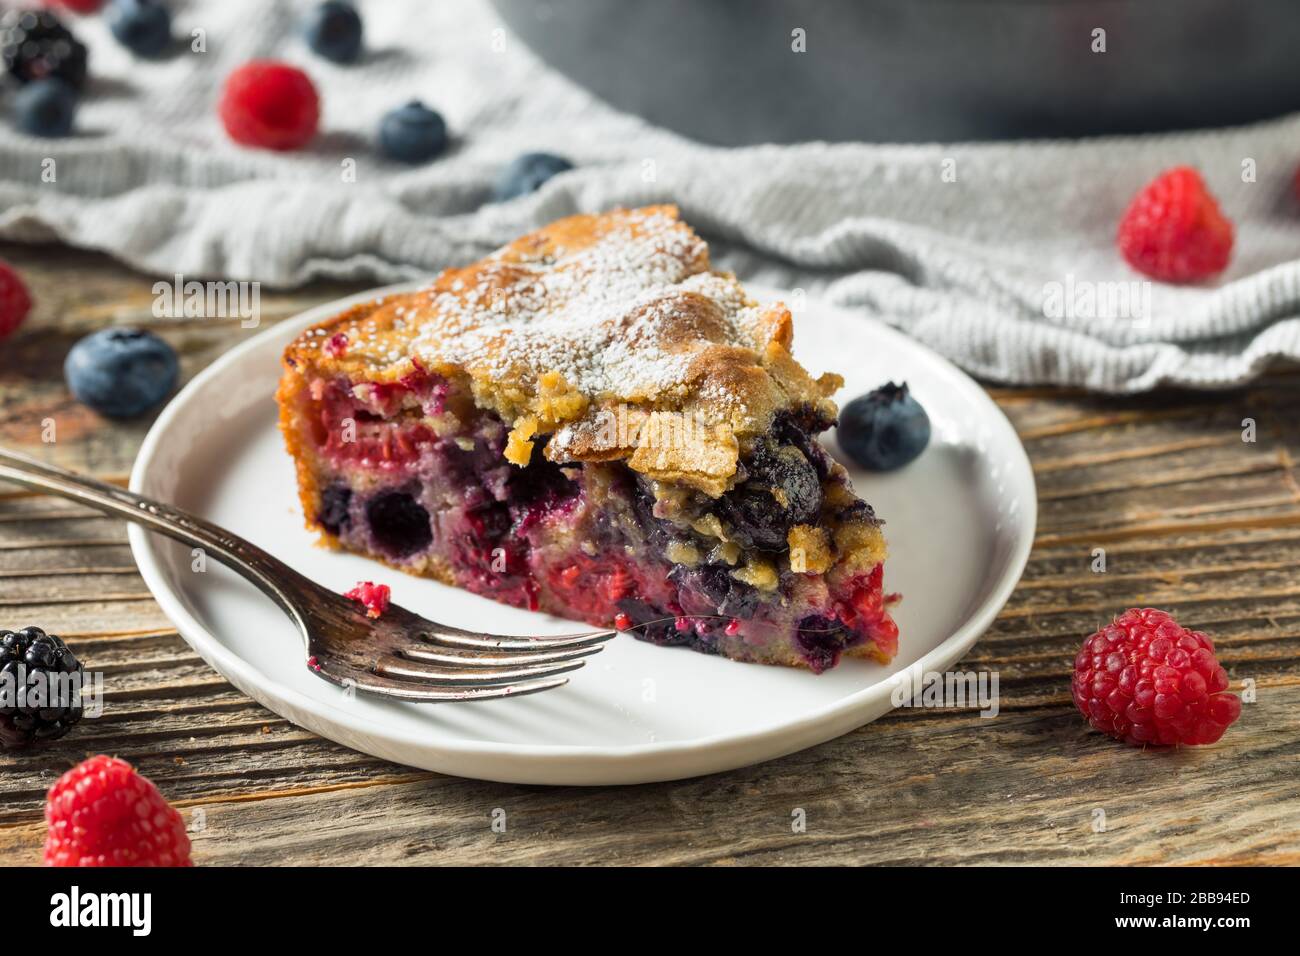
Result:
[[1190, 517], [932, 791]]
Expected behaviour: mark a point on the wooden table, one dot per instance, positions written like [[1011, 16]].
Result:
[[1191, 518]]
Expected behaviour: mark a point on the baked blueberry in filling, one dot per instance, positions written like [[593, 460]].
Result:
[[798, 429], [399, 523], [780, 490], [654, 530], [537, 491], [822, 640], [334, 502], [731, 598], [650, 623]]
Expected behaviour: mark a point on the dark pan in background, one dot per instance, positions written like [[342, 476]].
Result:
[[722, 71]]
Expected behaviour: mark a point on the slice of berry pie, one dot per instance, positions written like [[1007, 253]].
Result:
[[592, 422]]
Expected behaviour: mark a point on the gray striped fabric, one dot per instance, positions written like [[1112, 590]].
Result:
[[1000, 256]]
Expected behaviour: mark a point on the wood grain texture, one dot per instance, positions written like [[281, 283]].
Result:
[[1191, 518]]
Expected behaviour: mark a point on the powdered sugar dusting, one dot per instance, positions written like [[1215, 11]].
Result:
[[606, 316]]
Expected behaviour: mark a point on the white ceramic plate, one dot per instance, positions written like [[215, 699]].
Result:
[[959, 520]]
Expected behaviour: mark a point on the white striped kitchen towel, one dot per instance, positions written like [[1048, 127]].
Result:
[[1000, 256]]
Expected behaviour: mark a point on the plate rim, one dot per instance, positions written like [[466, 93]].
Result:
[[342, 726]]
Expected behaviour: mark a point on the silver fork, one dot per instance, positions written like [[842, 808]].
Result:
[[398, 654]]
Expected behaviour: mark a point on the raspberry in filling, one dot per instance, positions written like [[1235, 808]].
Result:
[[595, 541], [747, 542]]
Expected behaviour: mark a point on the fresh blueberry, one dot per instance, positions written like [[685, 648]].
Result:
[[45, 108], [527, 173], [884, 429], [412, 133], [121, 372], [333, 30], [142, 26]]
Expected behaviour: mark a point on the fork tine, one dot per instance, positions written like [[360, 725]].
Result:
[[399, 669], [454, 658], [489, 642], [430, 694]]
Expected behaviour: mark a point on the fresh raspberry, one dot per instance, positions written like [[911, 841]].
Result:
[[1173, 230], [269, 104], [103, 813], [15, 300], [1145, 680], [374, 597], [84, 7]]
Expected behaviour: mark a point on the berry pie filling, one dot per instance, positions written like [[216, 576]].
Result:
[[594, 423], [783, 567]]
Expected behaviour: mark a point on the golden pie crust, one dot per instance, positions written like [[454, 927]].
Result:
[[611, 334]]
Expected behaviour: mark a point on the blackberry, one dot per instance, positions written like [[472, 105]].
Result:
[[29, 659], [34, 45]]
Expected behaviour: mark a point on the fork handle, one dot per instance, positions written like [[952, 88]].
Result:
[[270, 574]]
